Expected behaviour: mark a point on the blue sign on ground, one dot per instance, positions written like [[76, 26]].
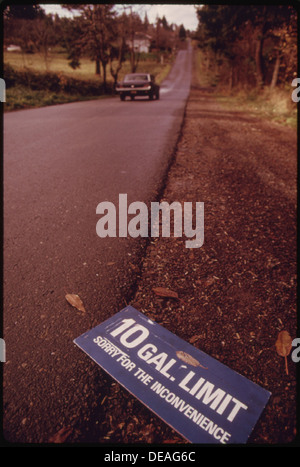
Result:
[[202, 399]]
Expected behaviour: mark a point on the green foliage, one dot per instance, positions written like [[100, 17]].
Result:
[[22, 97], [53, 82], [28, 88], [182, 32], [23, 11], [69, 47], [249, 45], [273, 104]]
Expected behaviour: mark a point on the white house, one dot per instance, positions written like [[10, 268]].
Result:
[[141, 42]]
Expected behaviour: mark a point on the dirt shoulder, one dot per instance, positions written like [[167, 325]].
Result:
[[239, 289]]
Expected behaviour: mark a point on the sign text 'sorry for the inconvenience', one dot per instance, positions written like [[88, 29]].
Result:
[[201, 398]]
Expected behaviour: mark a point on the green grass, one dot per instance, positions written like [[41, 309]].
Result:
[[205, 77], [19, 96], [58, 63], [275, 105], [22, 97]]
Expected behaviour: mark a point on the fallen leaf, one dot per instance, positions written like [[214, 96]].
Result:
[[173, 441], [283, 346], [163, 292], [75, 301], [186, 358], [194, 339], [209, 281], [61, 436]]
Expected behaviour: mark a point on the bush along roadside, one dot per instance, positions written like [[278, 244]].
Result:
[[27, 88]]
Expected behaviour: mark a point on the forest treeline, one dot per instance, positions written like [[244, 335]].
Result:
[[249, 45], [106, 33], [243, 45]]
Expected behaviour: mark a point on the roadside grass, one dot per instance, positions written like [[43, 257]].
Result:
[[20, 96], [58, 63], [205, 76], [275, 105]]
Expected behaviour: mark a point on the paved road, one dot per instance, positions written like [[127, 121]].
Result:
[[59, 163]]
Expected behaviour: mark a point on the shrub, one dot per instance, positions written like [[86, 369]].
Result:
[[53, 82]]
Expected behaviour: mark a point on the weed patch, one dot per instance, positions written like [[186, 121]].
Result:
[[28, 85], [273, 104]]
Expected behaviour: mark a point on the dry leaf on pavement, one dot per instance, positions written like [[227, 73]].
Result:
[[164, 292], [61, 436], [75, 301], [283, 346]]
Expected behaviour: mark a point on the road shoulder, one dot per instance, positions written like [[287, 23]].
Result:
[[237, 291]]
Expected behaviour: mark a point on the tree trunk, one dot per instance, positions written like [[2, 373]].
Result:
[[231, 77], [132, 61], [104, 63], [98, 70], [275, 71], [258, 62], [115, 72]]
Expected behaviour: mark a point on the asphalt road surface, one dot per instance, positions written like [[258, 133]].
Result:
[[60, 162]]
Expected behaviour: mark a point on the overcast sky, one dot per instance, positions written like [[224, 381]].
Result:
[[177, 14]]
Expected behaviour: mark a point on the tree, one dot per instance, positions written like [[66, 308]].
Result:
[[29, 27], [146, 23], [182, 33], [249, 39], [135, 24], [100, 34], [43, 35], [269, 23], [217, 33], [117, 50], [165, 37], [23, 12], [70, 39], [18, 24], [96, 34]]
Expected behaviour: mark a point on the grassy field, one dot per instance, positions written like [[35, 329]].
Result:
[[18, 97], [275, 104], [58, 63]]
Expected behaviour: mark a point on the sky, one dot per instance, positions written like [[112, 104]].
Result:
[[178, 14]]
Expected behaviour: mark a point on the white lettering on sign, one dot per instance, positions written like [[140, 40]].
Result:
[[158, 360], [108, 346], [207, 395], [132, 335], [143, 333], [201, 398], [143, 376], [208, 425]]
